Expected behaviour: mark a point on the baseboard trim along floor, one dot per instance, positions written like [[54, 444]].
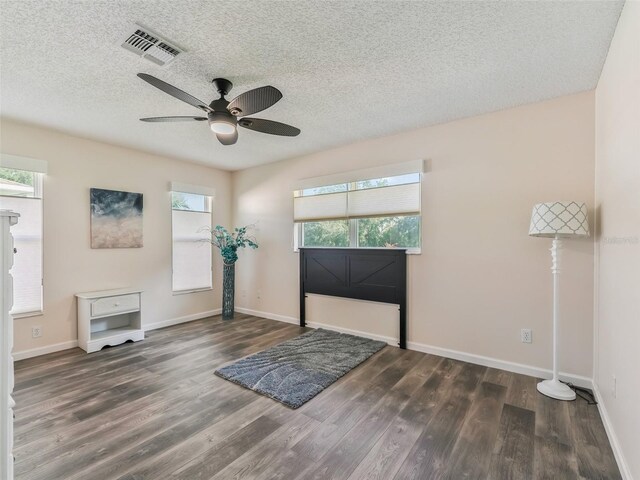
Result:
[[523, 369], [611, 434]]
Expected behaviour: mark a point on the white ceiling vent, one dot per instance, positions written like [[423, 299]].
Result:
[[147, 44]]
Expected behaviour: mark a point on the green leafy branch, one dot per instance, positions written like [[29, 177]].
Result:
[[229, 242]]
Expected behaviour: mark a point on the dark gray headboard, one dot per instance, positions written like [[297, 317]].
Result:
[[366, 274]]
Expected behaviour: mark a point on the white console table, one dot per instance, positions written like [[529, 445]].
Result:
[[109, 317]]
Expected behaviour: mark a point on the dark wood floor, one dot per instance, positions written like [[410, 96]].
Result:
[[154, 410]]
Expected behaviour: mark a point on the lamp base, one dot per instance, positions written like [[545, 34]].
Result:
[[556, 389]]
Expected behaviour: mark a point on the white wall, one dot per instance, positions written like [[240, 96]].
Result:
[[70, 265], [480, 278], [618, 246]]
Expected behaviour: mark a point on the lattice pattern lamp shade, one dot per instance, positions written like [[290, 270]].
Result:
[[562, 219]]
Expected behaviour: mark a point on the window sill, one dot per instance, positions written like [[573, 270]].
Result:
[[194, 290], [35, 313]]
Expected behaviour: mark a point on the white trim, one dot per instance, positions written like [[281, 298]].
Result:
[[187, 188], [521, 368], [532, 371], [391, 170], [611, 434], [270, 316], [36, 352], [185, 319], [34, 313], [193, 290], [23, 163]]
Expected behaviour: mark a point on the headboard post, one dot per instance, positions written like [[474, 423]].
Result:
[[303, 313]]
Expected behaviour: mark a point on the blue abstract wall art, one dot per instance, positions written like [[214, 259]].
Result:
[[116, 219]]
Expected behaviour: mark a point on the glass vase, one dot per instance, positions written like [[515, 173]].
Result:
[[228, 290]]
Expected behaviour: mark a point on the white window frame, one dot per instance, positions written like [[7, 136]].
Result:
[[195, 190], [40, 168]]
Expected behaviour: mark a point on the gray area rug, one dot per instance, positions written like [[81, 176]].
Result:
[[295, 371]]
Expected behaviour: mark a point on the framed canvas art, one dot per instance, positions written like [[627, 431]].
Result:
[[116, 219]]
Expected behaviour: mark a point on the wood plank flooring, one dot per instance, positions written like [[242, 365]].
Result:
[[155, 410]]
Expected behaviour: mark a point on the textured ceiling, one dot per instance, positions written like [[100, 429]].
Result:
[[348, 70]]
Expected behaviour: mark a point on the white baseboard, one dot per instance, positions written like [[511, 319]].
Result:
[[270, 316], [36, 352], [611, 434], [532, 371], [521, 368], [185, 319]]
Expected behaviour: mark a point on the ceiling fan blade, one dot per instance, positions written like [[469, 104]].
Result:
[[254, 101], [175, 92], [228, 139], [269, 126], [173, 119]]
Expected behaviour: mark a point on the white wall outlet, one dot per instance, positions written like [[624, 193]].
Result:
[[614, 386], [259, 294], [243, 294], [36, 332], [525, 335]]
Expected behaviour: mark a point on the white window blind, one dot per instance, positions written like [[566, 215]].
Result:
[[190, 217], [325, 206], [363, 196], [21, 191], [384, 201]]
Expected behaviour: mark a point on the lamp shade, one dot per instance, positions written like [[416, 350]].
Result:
[[562, 219]]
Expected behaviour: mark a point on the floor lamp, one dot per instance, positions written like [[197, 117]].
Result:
[[558, 220]]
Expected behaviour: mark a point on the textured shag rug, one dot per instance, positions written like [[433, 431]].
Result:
[[295, 371]]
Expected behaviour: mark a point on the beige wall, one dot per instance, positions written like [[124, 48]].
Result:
[[618, 247], [480, 278], [70, 265]]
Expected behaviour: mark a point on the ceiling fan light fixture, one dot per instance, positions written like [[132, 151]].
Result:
[[222, 128], [221, 123]]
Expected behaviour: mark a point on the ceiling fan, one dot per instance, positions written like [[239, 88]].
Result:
[[224, 116]]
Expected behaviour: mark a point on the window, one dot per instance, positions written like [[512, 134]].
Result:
[[364, 211], [332, 233], [21, 191], [190, 221]]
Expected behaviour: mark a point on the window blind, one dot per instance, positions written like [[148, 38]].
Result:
[[188, 188], [191, 250], [381, 171], [23, 163], [327, 206], [378, 197], [27, 265], [384, 201]]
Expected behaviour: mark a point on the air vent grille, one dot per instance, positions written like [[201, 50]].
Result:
[[149, 45]]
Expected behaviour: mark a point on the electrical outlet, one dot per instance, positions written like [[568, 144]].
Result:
[[259, 294], [614, 387], [525, 335], [36, 332]]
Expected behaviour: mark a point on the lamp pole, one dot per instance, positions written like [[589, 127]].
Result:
[[554, 388]]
